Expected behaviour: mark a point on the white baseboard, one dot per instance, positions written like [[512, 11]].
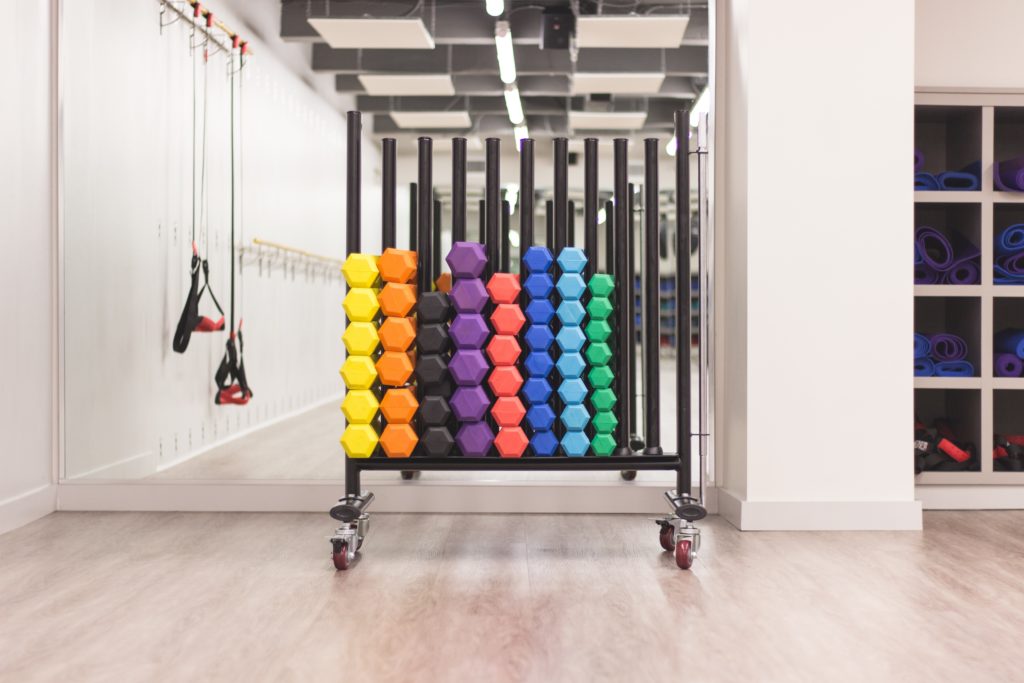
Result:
[[27, 507], [971, 497], [132, 467], [398, 496], [819, 515]]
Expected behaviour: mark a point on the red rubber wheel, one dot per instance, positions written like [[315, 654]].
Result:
[[667, 542], [684, 557], [341, 557]]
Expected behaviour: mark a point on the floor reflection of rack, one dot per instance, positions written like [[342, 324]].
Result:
[[268, 256]]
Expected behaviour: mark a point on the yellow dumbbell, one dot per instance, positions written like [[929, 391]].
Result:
[[359, 372], [359, 441], [361, 339], [360, 406], [361, 304], [360, 270]]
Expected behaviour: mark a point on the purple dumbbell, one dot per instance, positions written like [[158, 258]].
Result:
[[474, 439], [469, 404]]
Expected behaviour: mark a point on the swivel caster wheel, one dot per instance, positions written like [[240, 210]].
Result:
[[628, 475], [667, 537], [684, 553], [409, 475], [343, 555]]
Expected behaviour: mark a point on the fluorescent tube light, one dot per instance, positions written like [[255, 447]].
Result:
[[495, 7], [521, 134], [512, 197], [514, 105], [670, 147], [506, 57], [701, 106]]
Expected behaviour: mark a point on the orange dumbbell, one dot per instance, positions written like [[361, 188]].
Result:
[[397, 265], [397, 299], [394, 368], [397, 334], [398, 440], [399, 406]]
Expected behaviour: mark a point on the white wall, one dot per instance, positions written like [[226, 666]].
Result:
[[968, 46], [26, 306], [132, 404], [817, 297]]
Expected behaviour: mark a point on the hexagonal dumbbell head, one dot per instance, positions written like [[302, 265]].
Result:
[[431, 369], [575, 417], [360, 270], [359, 372], [598, 354], [571, 286], [436, 442], [361, 305], [544, 443], [446, 387], [539, 285], [435, 411], [359, 441], [467, 260], [570, 339], [600, 377], [397, 265], [399, 406], [503, 350], [537, 260], [507, 319], [538, 364], [432, 338], [575, 444], [511, 442], [540, 417], [571, 312], [536, 390], [394, 368], [539, 337], [398, 440], [433, 307], [539, 312], [600, 308], [508, 411], [572, 391], [469, 296], [603, 400], [469, 331], [504, 288], [474, 439], [597, 331], [360, 406], [397, 334], [360, 339], [603, 444], [572, 260], [571, 365], [468, 367], [601, 285], [505, 381], [443, 283], [397, 299], [469, 404], [605, 422]]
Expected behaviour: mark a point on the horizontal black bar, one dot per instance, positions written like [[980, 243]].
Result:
[[627, 462]]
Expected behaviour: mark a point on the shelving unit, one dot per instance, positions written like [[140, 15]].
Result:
[[954, 130]]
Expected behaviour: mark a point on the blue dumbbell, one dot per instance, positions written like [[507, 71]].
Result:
[[544, 443], [540, 417], [538, 285], [571, 286], [539, 338], [539, 311], [538, 364], [572, 260], [538, 260], [571, 365], [571, 339], [575, 444], [536, 390], [575, 417], [571, 312], [572, 391]]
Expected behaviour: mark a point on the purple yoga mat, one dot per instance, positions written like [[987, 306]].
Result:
[[947, 346], [1012, 263], [1008, 365], [923, 275], [965, 273], [1008, 176], [936, 249]]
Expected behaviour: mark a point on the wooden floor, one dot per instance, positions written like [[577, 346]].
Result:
[[219, 597]]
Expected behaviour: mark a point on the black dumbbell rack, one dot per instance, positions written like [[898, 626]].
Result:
[[678, 533]]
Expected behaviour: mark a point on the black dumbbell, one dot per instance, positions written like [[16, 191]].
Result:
[[433, 339], [436, 442]]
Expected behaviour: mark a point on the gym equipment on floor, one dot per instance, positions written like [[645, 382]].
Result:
[[482, 393]]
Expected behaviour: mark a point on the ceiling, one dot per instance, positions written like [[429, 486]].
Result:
[[562, 91]]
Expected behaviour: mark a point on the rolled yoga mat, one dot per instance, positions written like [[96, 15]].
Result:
[[949, 347], [923, 275], [966, 273], [1008, 365], [918, 259], [1009, 341], [922, 347], [1009, 269], [1008, 176], [926, 182], [923, 367], [918, 160], [936, 249], [944, 254], [958, 181], [1011, 239], [954, 368]]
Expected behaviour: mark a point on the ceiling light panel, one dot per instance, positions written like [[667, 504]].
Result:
[[394, 34], [603, 120], [407, 84], [431, 119], [630, 31], [617, 83]]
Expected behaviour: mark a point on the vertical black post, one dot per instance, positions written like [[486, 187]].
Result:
[[624, 287], [492, 194], [561, 191], [570, 229], [505, 253], [352, 214], [458, 190], [413, 224], [481, 227], [683, 332], [389, 236], [609, 239], [630, 246], [590, 204], [652, 288], [549, 224], [424, 213], [526, 184], [435, 242]]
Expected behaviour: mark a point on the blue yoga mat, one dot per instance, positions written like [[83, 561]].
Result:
[[1010, 341], [1011, 239], [918, 259], [926, 182], [954, 368], [922, 347], [923, 367], [958, 181]]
